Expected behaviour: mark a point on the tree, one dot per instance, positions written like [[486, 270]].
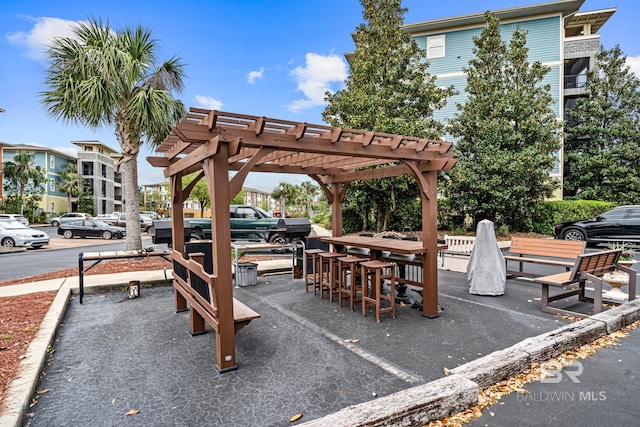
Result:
[[239, 199], [103, 77], [199, 192], [388, 90], [509, 134], [23, 173], [71, 182], [602, 146], [85, 199], [286, 194], [309, 191]]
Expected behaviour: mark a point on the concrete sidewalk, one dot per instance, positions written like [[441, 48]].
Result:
[[304, 355]]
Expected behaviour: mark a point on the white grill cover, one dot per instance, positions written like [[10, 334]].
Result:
[[486, 269]]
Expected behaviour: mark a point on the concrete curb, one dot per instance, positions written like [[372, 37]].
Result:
[[21, 389], [430, 402], [411, 407]]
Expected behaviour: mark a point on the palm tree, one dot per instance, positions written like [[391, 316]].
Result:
[[20, 171], [104, 77], [72, 182], [309, 192], [286, 194]]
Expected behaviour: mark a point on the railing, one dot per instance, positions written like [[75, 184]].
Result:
[[575, 81]]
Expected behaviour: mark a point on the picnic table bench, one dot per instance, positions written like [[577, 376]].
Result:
[[561, 253], [587, 267]]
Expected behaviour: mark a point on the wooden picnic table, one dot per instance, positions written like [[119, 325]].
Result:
[[378, 245], [98, 257]]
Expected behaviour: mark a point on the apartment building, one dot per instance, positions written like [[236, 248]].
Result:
[[559, 35]]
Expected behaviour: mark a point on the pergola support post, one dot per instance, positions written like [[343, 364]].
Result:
[[177, 230], [216, 171], [428, 186]]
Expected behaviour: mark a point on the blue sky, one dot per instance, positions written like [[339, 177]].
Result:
[[272, 58]]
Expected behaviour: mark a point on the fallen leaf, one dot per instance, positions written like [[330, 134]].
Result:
[[296, 417], [43, 391], [132, 412], [374, 394], [446, 371], [113, 401]]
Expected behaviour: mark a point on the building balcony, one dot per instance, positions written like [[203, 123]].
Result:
[[575, 81]]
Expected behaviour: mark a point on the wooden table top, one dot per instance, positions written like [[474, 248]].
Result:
[[380, 244]]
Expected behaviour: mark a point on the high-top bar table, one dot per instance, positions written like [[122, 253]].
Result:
[[378, 245]]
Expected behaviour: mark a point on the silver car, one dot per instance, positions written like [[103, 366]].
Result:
[[15, 217], [16, 234], [71, 216]]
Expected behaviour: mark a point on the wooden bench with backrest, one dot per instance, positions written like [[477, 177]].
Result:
[[198, 288], [560, 253], [587, 268]]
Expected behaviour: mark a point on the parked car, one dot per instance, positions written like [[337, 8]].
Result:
[[16, 234], [102, 217], [152, 214], [121, 221], [619, 224], [15, 217], [71, 216], [90, 228]]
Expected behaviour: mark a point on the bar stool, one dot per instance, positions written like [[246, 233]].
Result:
[[329, 273], [313, 277], [373, 275], [349, 282]]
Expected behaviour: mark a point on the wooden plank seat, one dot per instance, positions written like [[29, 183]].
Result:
[[587, 268], [193, 285], [560, 253]]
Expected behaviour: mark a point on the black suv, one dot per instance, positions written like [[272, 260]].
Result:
[[619, 224]]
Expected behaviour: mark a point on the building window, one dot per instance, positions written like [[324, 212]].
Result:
[[52, 184], [52, 162], [435, 46], [104, 188], [104, 171], [53, 207], [87, 168], [87, 148]]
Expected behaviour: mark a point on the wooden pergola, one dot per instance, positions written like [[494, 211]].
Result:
[[215, 143]]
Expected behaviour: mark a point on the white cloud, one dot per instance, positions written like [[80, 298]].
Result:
[[39, 38], [208, 102], [254, 75], [634, 63], [315, 78]]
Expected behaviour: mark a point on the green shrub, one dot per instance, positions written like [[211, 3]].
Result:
[[502, 231], [323, 219]]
